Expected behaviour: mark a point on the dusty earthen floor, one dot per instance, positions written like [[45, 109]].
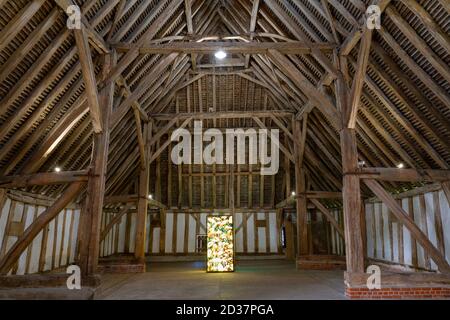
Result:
[[268, 279]]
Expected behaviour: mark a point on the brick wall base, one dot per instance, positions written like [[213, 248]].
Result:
[[321, 262], [398, 293], [122, 268]]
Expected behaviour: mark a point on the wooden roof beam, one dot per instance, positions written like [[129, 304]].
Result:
[[353, 38], [133, 53], [253, 16], [409, 175], [297, 47], [358, 79], [323, 102], [87, 67], [222, 115], [43, 178], [318, 54]]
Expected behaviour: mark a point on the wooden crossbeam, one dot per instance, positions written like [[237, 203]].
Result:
[[281, 146], [123, 108], [114, 220], [410, 175], [282, 126], [120, 199], [222, 115], [329, 216], [166, 144], [409, 223], [296, 47], [43, 178], [41, 221], [133, 53]]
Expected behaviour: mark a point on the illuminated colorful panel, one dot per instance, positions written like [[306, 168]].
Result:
[[220, 256]]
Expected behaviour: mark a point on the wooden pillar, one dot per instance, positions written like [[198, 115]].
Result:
[[91, 213], [351, 185], [141, 220], [300, 189], [290, 245]]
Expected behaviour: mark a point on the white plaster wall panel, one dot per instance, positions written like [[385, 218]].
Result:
[[107, 237], [36, 247], [122, 230], [102, 243], [339, 240], [64, 258], [156, 237], [262, 240], [74, 235], [50, 241], [132, 231], [386, 234], [203, 224], [274, 233], [238, 236], [262, 233], [147, 232], [181, 221], [395, 253], [59, 238], [16, 217], [22, 263], [407, 240], [250, 233], [3, 220], [192, 233], [445, 216], [333, 242], [169, 227], [378, 239], [18, 212], [111, 238], [369, 230], [418, 221], [28, 216], [431, 223], [106, 218]]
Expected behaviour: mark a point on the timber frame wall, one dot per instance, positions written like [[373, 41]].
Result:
[[101, 100]]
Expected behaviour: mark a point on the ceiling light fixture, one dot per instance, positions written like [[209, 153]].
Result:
[[400, 165], [57, 169], [220, 54]]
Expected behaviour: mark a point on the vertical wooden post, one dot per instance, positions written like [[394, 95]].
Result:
[[141, 220], [89, 231], [290, 245], [351, 186], [300, 188]]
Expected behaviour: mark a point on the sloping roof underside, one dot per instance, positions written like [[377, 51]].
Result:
[[404, 110]]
